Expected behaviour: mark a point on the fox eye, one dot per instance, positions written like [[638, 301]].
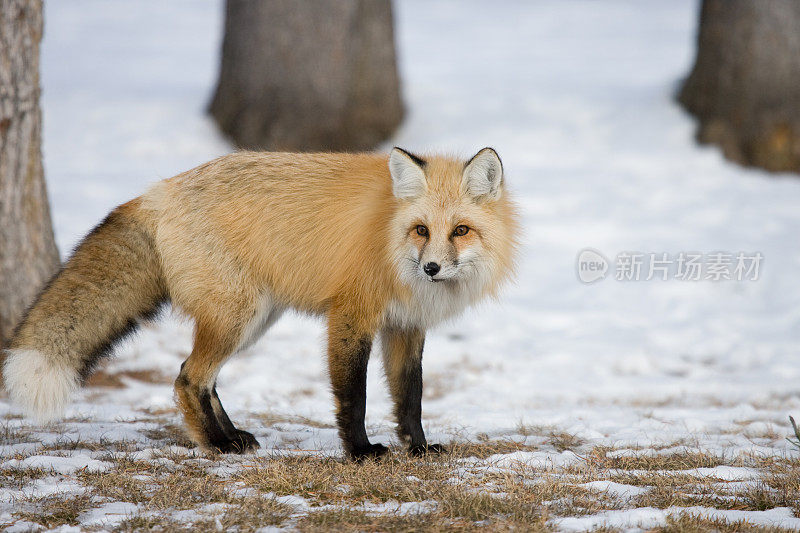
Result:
[[422, 231], [460, 231]]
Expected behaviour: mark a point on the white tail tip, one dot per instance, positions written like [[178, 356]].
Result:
[[39, 384]]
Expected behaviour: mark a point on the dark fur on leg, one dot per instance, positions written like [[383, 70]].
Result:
[[196, 403], [432, 449], [402, 351], [348, 355], [244, 440]]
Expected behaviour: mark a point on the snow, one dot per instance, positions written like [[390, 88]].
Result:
[[536, 460], [646, 518], [619, 490], [108, 514], [640, 519], [778, 517], [60, 465], [724, 473], [398, 509], [39, 488], [577, 98]]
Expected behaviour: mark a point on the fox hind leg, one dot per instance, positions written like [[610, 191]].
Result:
[[206, 420], [263, 320], [204, 428], [194, 391], [242, 439]]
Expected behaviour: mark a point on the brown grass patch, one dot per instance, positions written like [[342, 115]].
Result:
[[464, 499], [169, 434], [249, 514], [689, 523], [116, 486], [17, 478], [560, 440], [13, 435], [178, 487], [100, 445], [781, 486], [115, 380], [668, 491], [486, 448], [53, 511], [271, 419], [161, 523], [353, 520], [160, 412], [327, 480], [600, 458]]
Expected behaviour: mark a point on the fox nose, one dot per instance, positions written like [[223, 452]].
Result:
[[431, 268]]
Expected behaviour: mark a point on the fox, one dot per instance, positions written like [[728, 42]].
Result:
[[383, 246]]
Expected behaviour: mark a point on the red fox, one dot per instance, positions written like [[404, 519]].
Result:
[[381, 246]]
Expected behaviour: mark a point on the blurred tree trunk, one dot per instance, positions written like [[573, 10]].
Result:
[[310, 75], [745, 85], [28, 254]]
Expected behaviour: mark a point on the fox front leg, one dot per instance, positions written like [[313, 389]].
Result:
[[348, 353], [402, 361]]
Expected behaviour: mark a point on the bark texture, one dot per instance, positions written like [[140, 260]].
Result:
[[313, 75], [745, 84], [28, 254]]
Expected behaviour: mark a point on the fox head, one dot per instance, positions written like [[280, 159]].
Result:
[[454, 226]]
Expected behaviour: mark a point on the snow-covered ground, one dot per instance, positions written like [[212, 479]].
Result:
[[577, 97]]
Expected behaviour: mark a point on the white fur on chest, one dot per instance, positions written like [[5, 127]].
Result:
[[430, 304]]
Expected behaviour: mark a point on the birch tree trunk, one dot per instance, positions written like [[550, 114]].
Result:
[[28, 254], [744, 88], [308, 75]]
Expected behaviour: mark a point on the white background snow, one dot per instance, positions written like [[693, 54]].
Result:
[[578, 99]]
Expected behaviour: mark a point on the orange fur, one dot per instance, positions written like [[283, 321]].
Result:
[[309, 228]]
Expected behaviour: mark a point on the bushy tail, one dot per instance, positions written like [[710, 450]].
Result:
[[113, 278]]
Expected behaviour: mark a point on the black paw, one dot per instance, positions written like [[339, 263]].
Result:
[[418, 450], [246, 441], [370, 451], [243, 442]]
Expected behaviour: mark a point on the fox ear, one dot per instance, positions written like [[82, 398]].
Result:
[[408, 174], [483, 176]]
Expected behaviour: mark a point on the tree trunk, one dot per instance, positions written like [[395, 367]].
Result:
[[311, 75], [745, 84], [28, 254]]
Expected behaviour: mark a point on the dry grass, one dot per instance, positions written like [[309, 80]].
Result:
[[485, 448], [602, 457], [334, 481], [12, 434], [116, 380], [780, 486], [688, 523], [169, 434], [100, 445], [464, 497], [161, 524], [53, 511], [159, 485], [560, 440], [252, 513], [271, 419], [353, 520], [17, 478], [456, 491]]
